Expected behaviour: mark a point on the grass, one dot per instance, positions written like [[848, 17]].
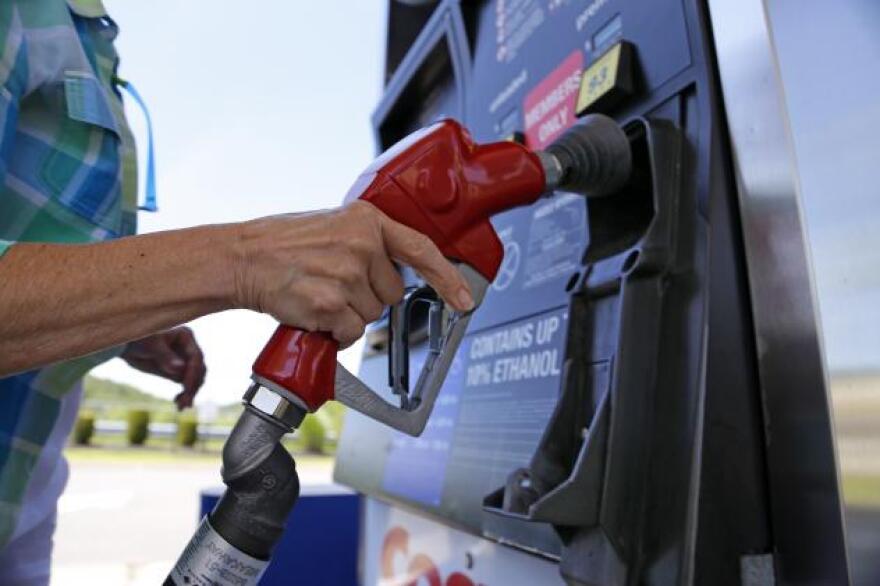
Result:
[[861, 490], [153, 442], [114, 448], [146, 455], [182, 457], [153, 455]]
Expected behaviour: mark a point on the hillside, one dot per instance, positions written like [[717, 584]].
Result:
[[103, 391], [112, 400]]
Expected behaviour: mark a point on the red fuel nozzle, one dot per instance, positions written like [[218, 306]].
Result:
[[439, 182], [442, 184], [298, 364]]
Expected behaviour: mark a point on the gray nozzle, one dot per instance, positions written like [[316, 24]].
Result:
[[592, 158]]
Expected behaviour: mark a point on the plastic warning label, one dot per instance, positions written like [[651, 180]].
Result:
[[549, 107]]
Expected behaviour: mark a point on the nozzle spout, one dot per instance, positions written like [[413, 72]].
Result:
[[593, 158]]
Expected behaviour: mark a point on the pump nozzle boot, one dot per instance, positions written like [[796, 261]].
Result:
[[593, 158]]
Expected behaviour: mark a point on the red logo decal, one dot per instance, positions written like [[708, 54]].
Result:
[[421, 570], [549, 107]]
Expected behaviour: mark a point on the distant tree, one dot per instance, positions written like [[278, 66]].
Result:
[[84, 428], [332, 415], [138, 427], [312, 434], [187, 431]]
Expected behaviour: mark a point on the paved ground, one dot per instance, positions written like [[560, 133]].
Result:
[[863, 541], [124, 523]]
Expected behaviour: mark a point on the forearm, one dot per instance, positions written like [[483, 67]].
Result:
[[330, 271], [58, 301]]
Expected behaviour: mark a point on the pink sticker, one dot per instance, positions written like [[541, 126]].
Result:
[[549, 107]]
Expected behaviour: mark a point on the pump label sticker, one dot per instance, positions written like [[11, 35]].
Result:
[[556, 240], [515, 22], [399, 548], [516, 353], [208, 559], [501, 390], [549, 107], [509, 389], [509, 268]]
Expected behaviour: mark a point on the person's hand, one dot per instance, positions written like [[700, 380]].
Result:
[[174, 355], [332, 271]]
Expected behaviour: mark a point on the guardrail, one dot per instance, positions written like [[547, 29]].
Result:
[[159, 429]]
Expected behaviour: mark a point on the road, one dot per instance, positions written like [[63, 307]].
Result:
[[125, 523]]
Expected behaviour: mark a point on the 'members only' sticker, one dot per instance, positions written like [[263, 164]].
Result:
[[549, 107]]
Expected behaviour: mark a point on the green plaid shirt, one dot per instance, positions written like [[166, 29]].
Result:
[[67, 174]]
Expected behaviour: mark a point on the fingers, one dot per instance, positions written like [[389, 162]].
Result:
[[154, 355], [359, 290], [334, 271], [419, 252], [326, 307], [169, 363], [385, 280], [193, 375], [346, 327]]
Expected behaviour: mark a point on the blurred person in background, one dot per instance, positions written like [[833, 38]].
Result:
[[77, 288]]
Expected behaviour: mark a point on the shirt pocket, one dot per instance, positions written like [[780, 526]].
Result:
[[82, 170]]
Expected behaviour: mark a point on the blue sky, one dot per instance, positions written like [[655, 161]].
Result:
[[255, 112]]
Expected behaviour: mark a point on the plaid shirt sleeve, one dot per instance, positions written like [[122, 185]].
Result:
[[13, 77], [67, 175]]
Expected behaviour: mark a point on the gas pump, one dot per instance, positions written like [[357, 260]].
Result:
[[441, 183], [605, 419]]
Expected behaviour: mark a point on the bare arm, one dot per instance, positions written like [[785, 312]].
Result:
[[326, 271], [59, 301]]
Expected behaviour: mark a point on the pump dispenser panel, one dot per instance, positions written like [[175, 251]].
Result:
[[572, 421]]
